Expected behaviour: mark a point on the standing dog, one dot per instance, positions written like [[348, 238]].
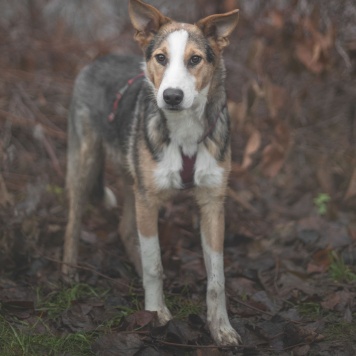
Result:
[[168, 129]]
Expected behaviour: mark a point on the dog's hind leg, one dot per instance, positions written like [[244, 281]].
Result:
[[84, 167], [128, 228]]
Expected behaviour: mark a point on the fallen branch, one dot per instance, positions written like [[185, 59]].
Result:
[[22, 121], [93, 270], [187, 346]]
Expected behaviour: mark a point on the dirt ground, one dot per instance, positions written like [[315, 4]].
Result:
[[290, 210]]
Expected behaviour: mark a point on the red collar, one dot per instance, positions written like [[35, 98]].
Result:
[[120, 93]]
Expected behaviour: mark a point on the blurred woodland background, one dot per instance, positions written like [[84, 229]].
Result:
[[290, 227]]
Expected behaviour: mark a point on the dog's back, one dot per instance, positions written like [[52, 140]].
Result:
[[95, 91]]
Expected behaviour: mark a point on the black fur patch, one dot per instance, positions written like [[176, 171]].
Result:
[[149, 50], [210, 55], [162, 139]]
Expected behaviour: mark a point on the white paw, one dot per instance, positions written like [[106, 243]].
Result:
[[224, 335], [163, 315]]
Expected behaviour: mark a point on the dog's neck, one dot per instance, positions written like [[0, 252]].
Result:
[[186, 127]]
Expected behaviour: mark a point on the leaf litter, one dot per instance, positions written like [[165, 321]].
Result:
[[289, 262]]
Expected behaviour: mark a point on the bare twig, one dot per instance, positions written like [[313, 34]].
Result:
[[22, 121], [93, 270], [252, 307], [245, 347]]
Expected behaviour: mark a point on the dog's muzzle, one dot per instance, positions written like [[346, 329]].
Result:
[[173, 97]]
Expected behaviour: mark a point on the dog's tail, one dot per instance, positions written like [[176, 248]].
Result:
[[99, 193]]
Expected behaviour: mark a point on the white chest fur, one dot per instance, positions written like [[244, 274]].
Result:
[[207, 172]]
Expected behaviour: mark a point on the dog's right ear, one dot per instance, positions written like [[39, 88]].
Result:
[[146, 20]]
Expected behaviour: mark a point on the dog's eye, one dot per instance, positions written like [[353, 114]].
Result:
[[161, 59], [194, 60]]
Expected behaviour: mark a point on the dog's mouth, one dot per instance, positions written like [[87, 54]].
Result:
[[173, 108]]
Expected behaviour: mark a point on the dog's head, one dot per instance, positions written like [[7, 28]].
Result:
[[180, 58]]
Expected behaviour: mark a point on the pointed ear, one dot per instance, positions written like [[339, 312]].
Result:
[[146, 20], [219, 27]]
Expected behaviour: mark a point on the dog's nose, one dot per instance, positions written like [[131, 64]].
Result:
[[173, 96]]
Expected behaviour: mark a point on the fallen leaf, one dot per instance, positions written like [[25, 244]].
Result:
[[237, 112], [88, 237], [118, 344], [276, 19], [76, 321], [241, 286], [270, 304], [181, 332], [140, 319], [351, 190], [242, 198], [228, 5], [301, 350], [337, 300], [320, 261], [313, 47], [347, 315], [275, 97], [331, 301], [289, 282], [274, 154], [253, 144]]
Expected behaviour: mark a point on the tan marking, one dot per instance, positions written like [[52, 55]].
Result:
[[156, 70], [203, 72], [146, 216], [211, 202], [147, 166], [149, 199], [146, 203]]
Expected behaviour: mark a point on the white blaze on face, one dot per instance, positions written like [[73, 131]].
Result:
[[177, 75]]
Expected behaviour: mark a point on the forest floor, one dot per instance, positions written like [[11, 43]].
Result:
[[290, 211]]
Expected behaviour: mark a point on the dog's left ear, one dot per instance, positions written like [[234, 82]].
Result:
[[219, 27], [146, 20]]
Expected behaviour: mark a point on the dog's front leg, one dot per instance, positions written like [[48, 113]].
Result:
[[212, 235], [152, 271]]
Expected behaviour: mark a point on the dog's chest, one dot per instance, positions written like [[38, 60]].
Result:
[[173, 166]]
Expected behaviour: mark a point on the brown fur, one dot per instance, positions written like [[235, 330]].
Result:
[[138, 143]]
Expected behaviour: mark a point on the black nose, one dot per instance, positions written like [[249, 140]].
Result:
[[173, 96]]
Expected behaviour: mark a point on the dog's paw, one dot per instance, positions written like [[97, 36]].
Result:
[[69, 274], [225, 335], [163, 316]]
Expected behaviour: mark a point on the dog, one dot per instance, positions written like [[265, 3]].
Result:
[[165, 125]]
